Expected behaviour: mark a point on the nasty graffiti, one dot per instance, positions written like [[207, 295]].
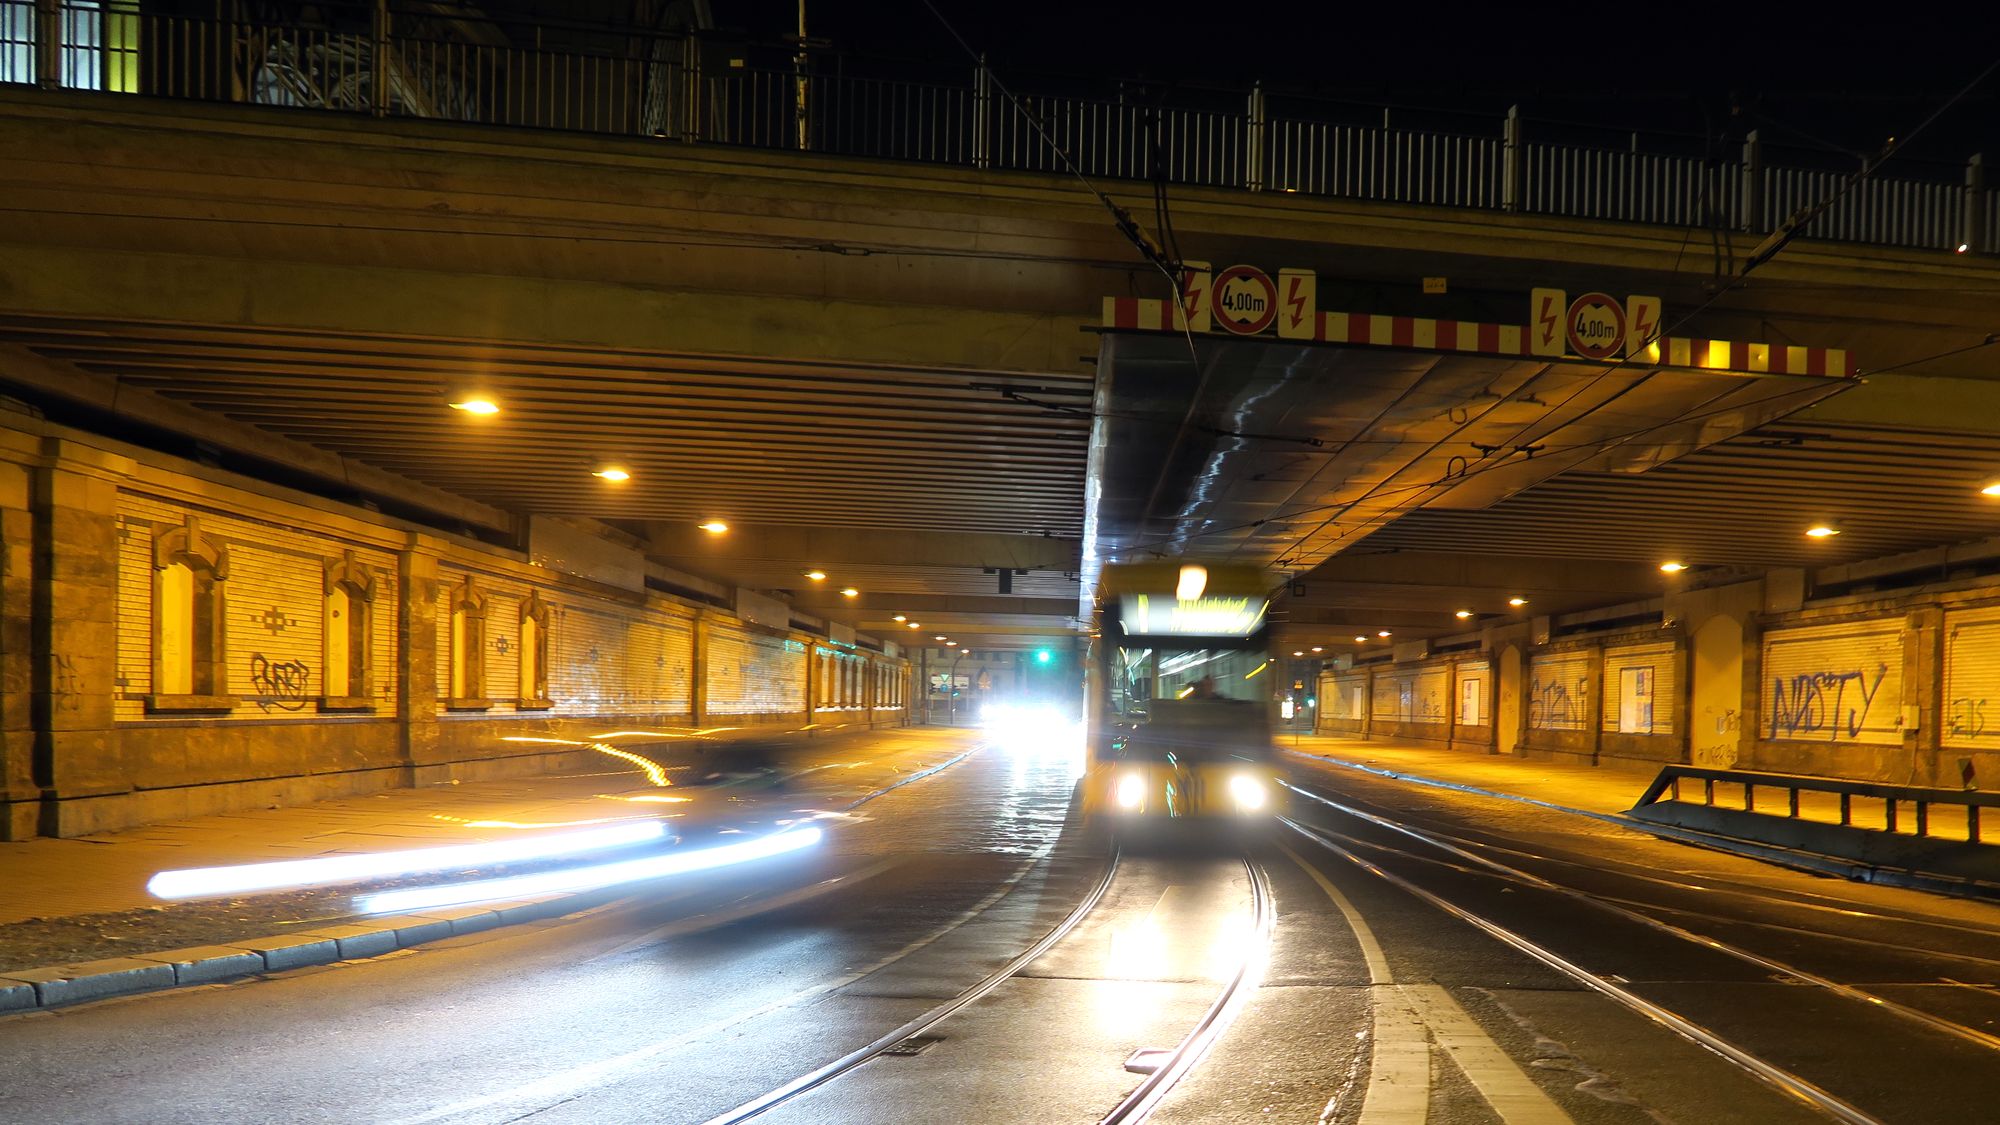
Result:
[[1554, 705], [1966, 718], [279, 683], [1832, 704]]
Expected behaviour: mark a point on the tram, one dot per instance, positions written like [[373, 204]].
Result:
[[1179, 702]]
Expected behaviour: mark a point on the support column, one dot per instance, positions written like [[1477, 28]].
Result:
[[74, 636], [698, 671], [1593, 741], [813, 682], [1923, 696], [20, 796], [418, 660]]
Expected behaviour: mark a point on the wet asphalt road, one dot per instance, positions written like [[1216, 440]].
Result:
[[1368, 1004]]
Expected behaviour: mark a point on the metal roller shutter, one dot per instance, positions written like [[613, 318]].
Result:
[[1972, 679], [1834, 683], [1388, 701], [1559, 691], [1472, 694], [1429, 704], [1344, 697], [1650, 669]]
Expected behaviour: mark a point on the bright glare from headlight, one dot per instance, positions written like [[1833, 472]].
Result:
[[1248, 792], [1131, 791], [1033, 730]]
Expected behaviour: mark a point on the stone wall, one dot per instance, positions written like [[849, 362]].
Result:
[[175, 640]]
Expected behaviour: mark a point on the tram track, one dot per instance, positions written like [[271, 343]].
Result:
[[1770, 1073], [1768, 964], [1166, 1068]]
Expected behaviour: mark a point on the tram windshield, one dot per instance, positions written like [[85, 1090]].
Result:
[[1195, 703]]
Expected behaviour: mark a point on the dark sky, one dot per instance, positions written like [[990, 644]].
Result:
[[1804, 72]]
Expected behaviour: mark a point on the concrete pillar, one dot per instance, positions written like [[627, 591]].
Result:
[[812, 682], [1716, 712], [20, 796], [418, 661], [1510, 716], [1593, 740], [75, 634], [698, 671], [1923, 694]]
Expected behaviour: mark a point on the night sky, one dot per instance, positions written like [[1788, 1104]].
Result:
[[1810, 75]]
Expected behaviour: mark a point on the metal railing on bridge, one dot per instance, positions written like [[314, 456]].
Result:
[[427, 63]]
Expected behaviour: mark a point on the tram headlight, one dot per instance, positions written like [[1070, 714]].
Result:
[[1248, 792], [1130, 792]]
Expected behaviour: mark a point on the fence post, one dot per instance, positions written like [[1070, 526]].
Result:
[[1751, 190], [1972, 224], [1513, 162], [378, 86], [48, 44], [691, 95], [982, 127], [1253, 148]]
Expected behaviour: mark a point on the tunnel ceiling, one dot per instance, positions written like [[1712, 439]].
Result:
[[748, 441], [1292, 454], [753, 442]]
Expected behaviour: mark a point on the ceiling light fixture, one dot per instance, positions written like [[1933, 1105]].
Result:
[[913, 624], [1822, 531], [615, 475], [1991, 489], [816, 575], [849, 592], [1517, 603], [1361, 640], [1317, 648], [1673, 567], [1382, 633], [713, 527], [1299, 652], [477, 404], [899, 618], [1463, 614]]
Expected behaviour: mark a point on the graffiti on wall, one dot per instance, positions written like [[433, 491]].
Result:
[[1558, 704], [1966, 718], [279, 683], [1832, 704]]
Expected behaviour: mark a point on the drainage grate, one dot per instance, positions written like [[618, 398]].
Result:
[[914, 1045]]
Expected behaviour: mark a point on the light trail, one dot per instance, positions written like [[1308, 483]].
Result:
[[243, 878], [587, 878]]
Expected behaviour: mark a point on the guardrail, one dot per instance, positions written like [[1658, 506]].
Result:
[[373, 59], [1919, 799]]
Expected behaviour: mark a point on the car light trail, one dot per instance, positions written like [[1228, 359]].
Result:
[[588, 878], [198, 881]]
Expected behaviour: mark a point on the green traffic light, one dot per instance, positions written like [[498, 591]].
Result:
[[1043, 656]]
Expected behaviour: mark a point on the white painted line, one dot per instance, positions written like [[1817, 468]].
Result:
[[1399, 1067]]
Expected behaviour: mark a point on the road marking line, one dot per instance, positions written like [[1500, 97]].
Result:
[[1399, 1064]]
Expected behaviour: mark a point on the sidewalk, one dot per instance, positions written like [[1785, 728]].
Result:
[[1940, 862], [64, 900], [1606, 790]]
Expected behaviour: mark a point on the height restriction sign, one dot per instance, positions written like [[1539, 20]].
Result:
[[1596, 326], [1245, 300]]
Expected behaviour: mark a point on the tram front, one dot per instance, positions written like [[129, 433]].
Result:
[[1180, 708]]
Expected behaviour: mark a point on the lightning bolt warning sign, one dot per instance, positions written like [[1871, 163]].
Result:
[[1298, 317], [1545, 321]]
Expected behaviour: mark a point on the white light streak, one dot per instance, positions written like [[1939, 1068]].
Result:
[[587, 878], [197, 881]]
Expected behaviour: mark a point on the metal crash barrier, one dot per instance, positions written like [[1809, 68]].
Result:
[[1842, 806]]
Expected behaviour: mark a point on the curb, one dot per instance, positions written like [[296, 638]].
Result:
[[1810, 862], [55, 986]]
